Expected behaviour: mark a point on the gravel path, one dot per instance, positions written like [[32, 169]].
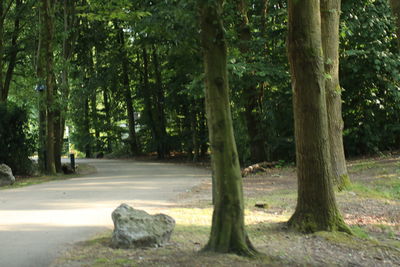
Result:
[[38, 222]]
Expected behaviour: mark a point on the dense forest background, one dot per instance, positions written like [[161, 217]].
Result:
[[126, 78]]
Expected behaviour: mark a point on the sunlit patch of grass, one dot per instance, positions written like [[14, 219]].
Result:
[[362, 166], [387, 188], [359, 232]]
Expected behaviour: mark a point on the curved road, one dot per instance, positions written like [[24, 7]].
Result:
[[38, 222]]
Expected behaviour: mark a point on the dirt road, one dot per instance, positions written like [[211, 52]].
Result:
[[38, 222]]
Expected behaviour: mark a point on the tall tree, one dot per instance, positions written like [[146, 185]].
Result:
[[45, 73], [133, 146], [316, 205], [228, 232], [330, 16]]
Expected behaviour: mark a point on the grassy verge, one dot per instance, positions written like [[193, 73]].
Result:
[[83, 169]]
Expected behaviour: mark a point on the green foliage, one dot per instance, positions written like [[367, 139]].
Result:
[[16, 142], [370, 77]]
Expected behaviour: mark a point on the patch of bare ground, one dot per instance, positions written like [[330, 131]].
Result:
[[371, 206]]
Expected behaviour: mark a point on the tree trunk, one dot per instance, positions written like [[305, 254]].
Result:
[[160, 114], [47, 12], [108, 119], [2, 19], [228, 230], [13, 54], [250, 93], [316, 205], [86, 126], [395, 5], [133, 146], [148, 107], [330, 16]]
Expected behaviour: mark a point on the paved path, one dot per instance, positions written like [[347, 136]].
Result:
[[38, 222]]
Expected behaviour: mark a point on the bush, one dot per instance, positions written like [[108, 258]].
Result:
[[16, 144]]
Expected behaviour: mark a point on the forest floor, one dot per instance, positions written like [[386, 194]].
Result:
[[371, 207]]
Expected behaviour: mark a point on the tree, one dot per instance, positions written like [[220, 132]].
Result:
[[45, 72], [330, 15], [316, 205], [228, 230]]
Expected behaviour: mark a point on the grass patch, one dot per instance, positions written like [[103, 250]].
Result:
[[386, 188]]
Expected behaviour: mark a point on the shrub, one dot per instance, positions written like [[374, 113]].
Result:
[[16, 144]]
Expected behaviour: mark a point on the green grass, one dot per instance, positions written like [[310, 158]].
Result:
[[385, 188]]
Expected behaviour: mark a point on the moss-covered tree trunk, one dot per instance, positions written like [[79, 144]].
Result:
[[316, 205], [395, 5], [330, 16], [228, 230]]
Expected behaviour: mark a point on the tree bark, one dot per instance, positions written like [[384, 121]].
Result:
[[47, 31], [330, 16], [228, 232], [395, 5], [316, 205]]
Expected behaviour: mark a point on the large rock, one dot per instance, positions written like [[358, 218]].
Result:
[[136, 228], [6, 176]]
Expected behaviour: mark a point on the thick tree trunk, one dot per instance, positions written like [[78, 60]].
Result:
[[395, 5], [316, 205], [330, 16], [250, 93], [228, 230]]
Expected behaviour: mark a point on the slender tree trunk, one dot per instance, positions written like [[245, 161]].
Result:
[[330, 16], [228, 232], [316, 205], [133, 146], [2, 19], [148, 107], [13, 54], [47, 11], [160, 114], [86, 127], [250, 93], [108, 119], [395, 5]]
